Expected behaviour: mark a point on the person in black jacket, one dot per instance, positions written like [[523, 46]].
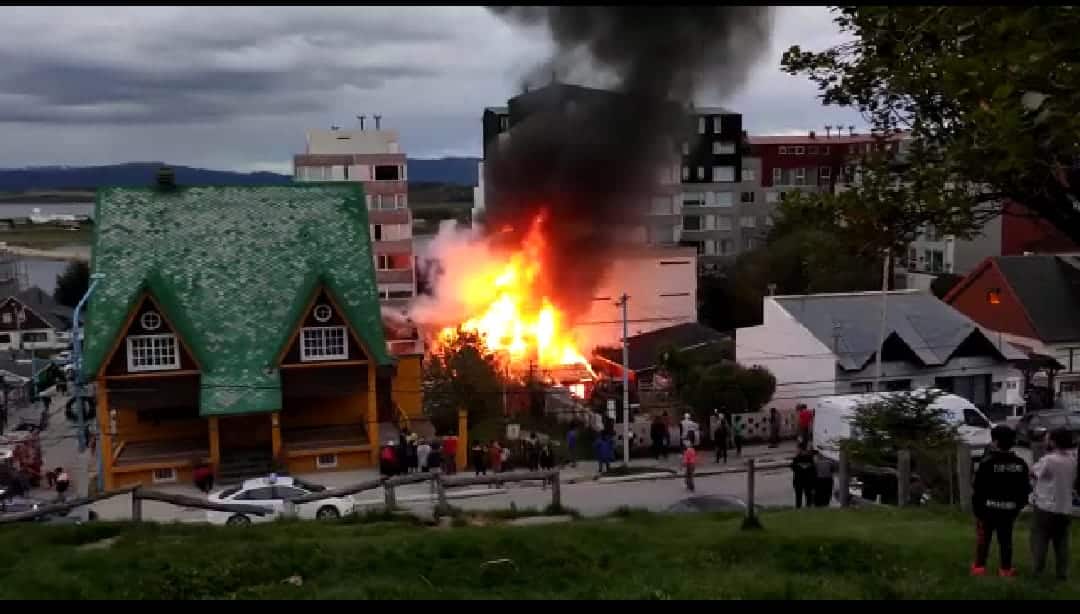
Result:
[[803, 475], [1001, 490]]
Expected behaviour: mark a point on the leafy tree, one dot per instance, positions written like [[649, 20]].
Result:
[[988, 95], [463, 375], [72, 283], [901, 421], [708, 381]]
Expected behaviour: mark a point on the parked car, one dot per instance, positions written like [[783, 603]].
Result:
[[1038, 423], [272, 493]]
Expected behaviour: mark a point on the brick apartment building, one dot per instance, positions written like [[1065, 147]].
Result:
[[374, 159]]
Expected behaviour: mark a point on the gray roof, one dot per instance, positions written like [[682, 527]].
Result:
[[644, 349], [1049, 289], [849, 324], [42, 303]]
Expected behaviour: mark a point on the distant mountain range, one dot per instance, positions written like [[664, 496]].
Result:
[[456, 171]]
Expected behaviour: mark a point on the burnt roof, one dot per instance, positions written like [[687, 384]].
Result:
[[645, 348]]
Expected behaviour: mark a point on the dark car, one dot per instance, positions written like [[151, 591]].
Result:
[[1037, 424]]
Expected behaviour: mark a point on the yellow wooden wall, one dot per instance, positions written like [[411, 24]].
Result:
[[406, 386]]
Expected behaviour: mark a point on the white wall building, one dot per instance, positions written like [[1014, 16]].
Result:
[[822, 344]]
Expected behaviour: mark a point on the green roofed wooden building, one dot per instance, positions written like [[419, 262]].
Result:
[[239, 326]]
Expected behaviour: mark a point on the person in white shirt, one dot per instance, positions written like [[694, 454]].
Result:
[[1055, 477], [423, 451]]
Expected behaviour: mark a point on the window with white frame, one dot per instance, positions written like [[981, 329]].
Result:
[[400, 201], [686, 148], [323, 343], [800, 176], [701, 173], [778, 176], [164, 475], [748, 174], [723, 147], [798, 150], [382, 262], [686, 173], [7, 317], [701, 125], [326, 461], [825, 173], [723, 173], [772, 197], [748, 221], [724, 199], [152, 353], [716, 125], [693, 199]]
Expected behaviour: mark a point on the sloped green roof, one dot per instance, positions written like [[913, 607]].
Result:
[[233, 268]]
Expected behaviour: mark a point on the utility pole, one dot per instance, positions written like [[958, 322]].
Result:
[[887, 267], [623, 302]]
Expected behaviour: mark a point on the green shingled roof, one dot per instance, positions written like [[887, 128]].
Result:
[[232, 268]]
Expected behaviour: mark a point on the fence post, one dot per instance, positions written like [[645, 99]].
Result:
[[136, 506], [443, 506], [556, 495], [903, 478], [391, 499], [963, 480], [844, 473], [751, 521]]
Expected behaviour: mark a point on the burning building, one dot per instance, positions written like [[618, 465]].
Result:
[[573, 178]]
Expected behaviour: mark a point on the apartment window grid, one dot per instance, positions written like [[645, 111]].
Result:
[[701, 173], [723, 199], [748, 174], [152, 353], [323, 343], [778, 176], [723, 173], [723, 147]]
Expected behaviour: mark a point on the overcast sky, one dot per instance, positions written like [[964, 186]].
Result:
[[235, 88]]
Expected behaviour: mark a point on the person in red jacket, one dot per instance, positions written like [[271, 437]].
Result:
[[806, 423]]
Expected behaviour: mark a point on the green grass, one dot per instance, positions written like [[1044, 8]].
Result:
[[45, 237], [884, 554]]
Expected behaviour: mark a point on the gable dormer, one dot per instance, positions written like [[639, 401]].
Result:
[[324, 335], [149, 344]]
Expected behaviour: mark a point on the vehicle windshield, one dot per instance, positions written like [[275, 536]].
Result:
[[228, 492], [974, 418]]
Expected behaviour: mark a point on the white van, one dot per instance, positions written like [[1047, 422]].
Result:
[[832, 417]]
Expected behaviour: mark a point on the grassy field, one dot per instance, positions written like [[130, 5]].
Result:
[[45, 237], [885, 554]]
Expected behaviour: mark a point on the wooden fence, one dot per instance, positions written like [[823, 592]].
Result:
[[439, 482]]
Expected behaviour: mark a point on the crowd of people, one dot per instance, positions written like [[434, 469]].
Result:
[[411, 453]]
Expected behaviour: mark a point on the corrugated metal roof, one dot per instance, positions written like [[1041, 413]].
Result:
[[850, 324]]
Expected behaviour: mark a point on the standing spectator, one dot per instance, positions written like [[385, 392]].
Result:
[[720, 437], [571, 445], [806, 421], [506, 458], [532, 452], [774, 427], [823, 485], [495, 456], [203, 476], [690, 463], [1000, 492], [689, 431], [1055, 477], [449, 453], [738, 429], [658, 432], [478, 458], [388, 459], [803, 476], [547, 457], [605, 451], [402, 451], [63, 481], [423, 455]]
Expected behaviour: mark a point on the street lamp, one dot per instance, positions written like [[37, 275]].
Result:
[[80, 379]]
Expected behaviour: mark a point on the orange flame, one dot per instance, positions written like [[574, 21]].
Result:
[[512, 314]]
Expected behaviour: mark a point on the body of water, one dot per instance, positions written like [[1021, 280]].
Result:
[[40, 272]]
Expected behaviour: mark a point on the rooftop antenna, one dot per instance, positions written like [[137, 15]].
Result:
[[851, 130], [361, 118], [378, 120], [828, 130]]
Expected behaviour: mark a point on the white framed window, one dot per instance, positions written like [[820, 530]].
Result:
[[716, 125], [693, 199], [701, 125], [150, 320], [686, 173], [723, 147], [701, 173], [723, 222], [382, 262], [323, 343], [800, 176], [748, 221], [798, 150], [326, 461], [748, 174], [686, 148], [782, 150], [367, 200], [400, 201], [152, 353], [7, 317], [164, 475], [772, 197], [323, 313], [724, 199], [778, 176], [710, 248], [723, 173], [825, 173]]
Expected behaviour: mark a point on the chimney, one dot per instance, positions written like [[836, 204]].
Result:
[[166, 178], [851, 130], [828, 130], [378, 121], [361, 118], [812, 135]]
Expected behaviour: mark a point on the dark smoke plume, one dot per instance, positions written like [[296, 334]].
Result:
[[592, 160]]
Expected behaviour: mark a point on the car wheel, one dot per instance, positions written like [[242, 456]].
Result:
[[328, 512], [238, 520]]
